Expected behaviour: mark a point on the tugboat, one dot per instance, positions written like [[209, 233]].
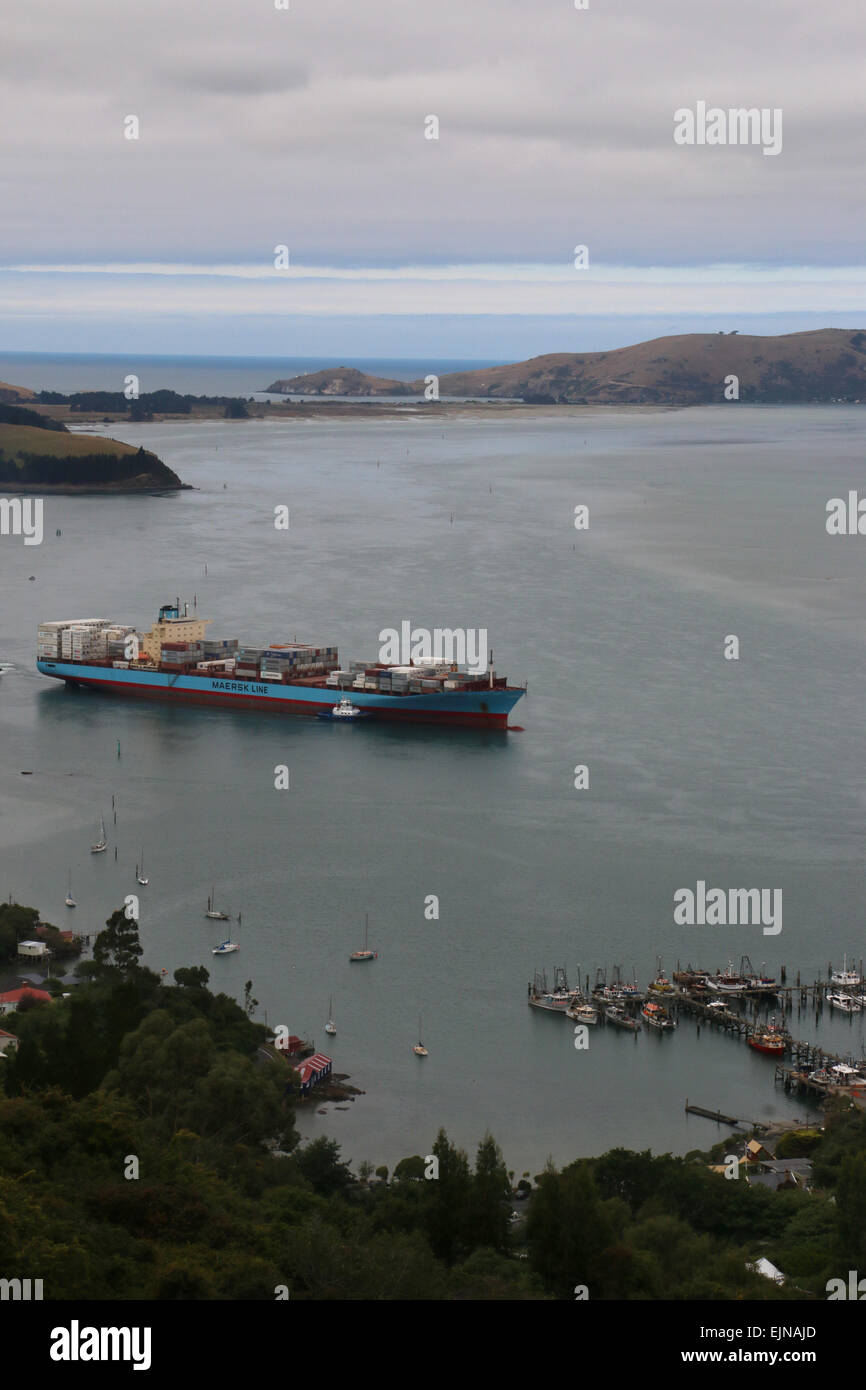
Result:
[[770, 1040], [344, 710], [657, 1016]]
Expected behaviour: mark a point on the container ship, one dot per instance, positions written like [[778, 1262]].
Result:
[[177, 660]]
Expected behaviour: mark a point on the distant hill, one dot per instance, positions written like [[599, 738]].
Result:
[[689, 369], [11, 394], [342, 381], [33, 458]]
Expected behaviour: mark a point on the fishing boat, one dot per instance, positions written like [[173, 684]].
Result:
[[757, 981], [621, 992], [657, 1016], [70, 901], [729, 982], [419, 1049], [225, 948], [843, 1002], [344, 711], [139, 873], [845, 977], [211, 910], [101, 843], [691, 978], [661, 984], [330, 1026], [770, 1040], [558, 999], [366, 954], [616, 1014], [582, 1013]]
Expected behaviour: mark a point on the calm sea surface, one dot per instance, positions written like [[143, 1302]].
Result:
[[746, 773]]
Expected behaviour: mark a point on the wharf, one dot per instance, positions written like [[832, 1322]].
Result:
[[806, 1054], [711, 1114]]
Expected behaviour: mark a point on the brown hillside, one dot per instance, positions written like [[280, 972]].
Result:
[[10, 395], [688, 369]]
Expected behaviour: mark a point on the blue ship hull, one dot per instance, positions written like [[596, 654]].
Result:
[[487, 708]]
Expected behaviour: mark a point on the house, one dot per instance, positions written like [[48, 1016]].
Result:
[[34, 950], [756, 1152], [798, 1170], [10, 1000], [8, 1042], [313, 1070]]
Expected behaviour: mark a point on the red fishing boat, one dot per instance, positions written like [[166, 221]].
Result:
[[772, 1040]]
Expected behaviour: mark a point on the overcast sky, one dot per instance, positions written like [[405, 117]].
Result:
[[306, 128]]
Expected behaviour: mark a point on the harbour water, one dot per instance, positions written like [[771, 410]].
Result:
[[748, 773]]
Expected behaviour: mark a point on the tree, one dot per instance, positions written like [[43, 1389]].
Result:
[[17, 923], [490, 1199], [851, 1206], [321, 1165], [410, 1169], [192, 977], [448, 1202], [567, 1229], [118, 947], [237, 410]]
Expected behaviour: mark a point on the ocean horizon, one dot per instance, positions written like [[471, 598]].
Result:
[[202, 375]]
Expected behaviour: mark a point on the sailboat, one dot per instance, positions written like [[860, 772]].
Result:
[[365, 954], [211, 911], [70, 901], [101, 843], [419, 1049], [330, 1026], [225, 948], [139, 873]]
